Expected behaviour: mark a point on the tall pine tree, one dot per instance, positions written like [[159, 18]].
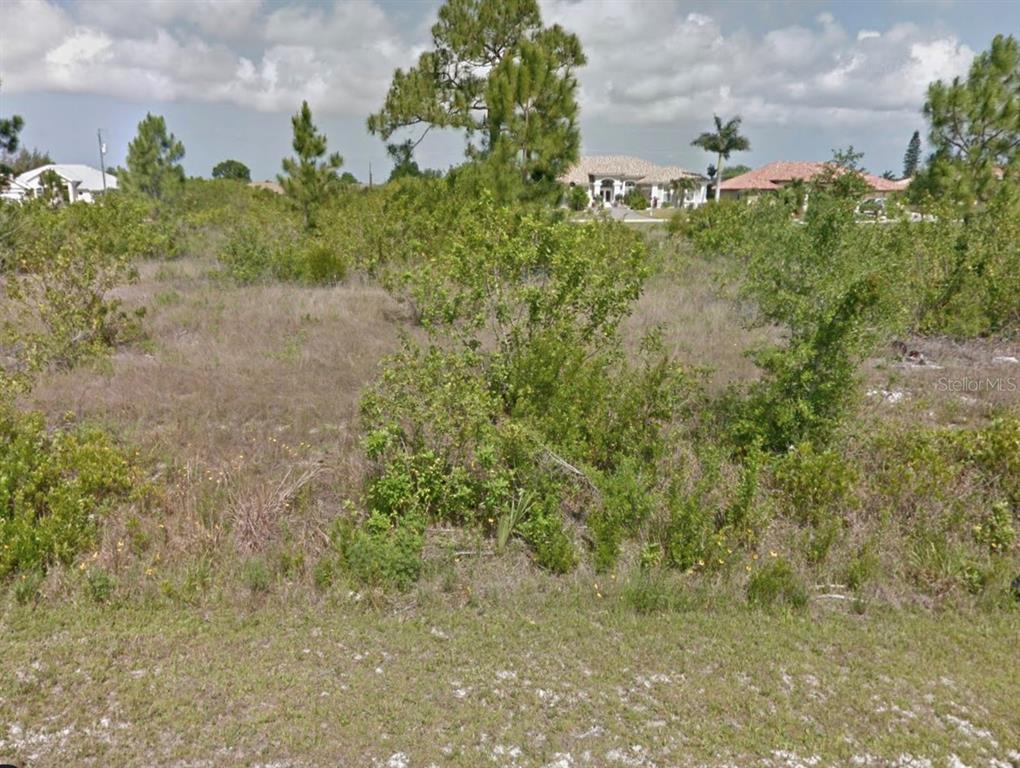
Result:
[[508, 81], [912, 158], [153, 160], [975, 125], [311, 177]]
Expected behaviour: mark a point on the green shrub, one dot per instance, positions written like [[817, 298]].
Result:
[[26, 587], [552, 547], [256, 575], [715, 229], [57, 298], [385, 553], [776, 584], [99, 584], [55, 488], [996, 531], [524, 391], [815, 485], [636, 200], [687, 537], [863, 568], [625, 504], [325, 571], [577, 198], [650, 592]]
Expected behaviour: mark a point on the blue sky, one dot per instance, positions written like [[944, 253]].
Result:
[[227, 74]]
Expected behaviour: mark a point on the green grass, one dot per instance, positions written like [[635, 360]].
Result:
[[527, 681]]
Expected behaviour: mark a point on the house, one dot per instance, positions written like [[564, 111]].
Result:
[[82, 182], [774, 176], [11, 190], [608, 179]]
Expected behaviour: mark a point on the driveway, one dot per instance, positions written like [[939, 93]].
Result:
[[630, 216]]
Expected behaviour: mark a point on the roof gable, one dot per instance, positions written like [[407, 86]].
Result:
[[85, 177]]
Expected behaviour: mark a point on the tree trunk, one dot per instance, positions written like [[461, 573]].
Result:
[[718, 177]]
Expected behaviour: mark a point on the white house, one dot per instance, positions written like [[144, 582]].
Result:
[[608, 179], [82, 182]]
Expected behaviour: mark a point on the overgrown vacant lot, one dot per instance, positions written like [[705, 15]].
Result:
[[543, 675], [245, 400]]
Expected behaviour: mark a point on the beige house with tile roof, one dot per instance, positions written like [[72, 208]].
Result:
[[775, 176], [608, 178]]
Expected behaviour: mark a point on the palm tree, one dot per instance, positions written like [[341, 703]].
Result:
[[680, 187], [725, 140]]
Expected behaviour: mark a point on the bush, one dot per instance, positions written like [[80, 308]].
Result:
[[99, 585], [636, 200], [650, 592], [815, 485], [55, 489], [384, 552], [523, 391], [256, 575], [65, 264], [269, 244], [577, 198], [831, 284], [776, 584]]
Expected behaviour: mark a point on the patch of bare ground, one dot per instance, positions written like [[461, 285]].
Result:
[[935, 381]]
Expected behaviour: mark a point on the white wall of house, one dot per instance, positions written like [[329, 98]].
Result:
[[605, 191]]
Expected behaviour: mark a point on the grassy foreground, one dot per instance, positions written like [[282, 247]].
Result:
[[542, 679]]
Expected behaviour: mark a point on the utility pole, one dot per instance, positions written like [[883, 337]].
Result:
[[102, 153]]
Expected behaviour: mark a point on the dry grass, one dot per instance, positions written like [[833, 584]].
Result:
[[244, 400], [239, 398]]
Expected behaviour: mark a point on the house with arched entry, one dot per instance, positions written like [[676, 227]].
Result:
[[609, 178]]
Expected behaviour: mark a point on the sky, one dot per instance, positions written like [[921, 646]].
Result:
[[806, 76]]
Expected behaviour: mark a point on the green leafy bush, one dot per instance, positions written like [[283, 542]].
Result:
[[55, 489], [577, 198], [271, 247], [636, 200], [65, 263], [776, 584], [523, 390], [815, 485], [99, 585], [384, 551]]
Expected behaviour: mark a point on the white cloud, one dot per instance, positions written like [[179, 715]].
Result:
[[660, 64], [649, 63], [338, 57]]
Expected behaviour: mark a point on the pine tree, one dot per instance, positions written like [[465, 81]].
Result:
[[312, 176], [912, 158], [495, 71], [153, 166], [402, 155], [724, 141], [975, 125]]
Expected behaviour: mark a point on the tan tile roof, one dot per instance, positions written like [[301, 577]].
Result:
[[272, 186], [775, 175], [624, 167]]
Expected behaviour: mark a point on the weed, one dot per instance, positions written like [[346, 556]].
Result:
[[776, 584]]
